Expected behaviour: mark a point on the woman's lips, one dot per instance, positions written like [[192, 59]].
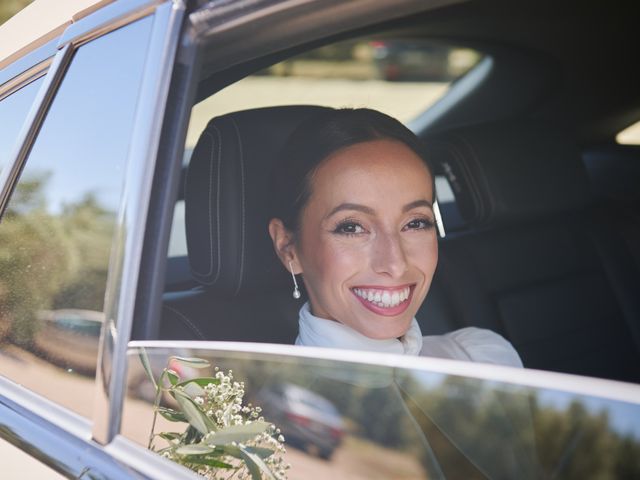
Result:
[[386, 301]]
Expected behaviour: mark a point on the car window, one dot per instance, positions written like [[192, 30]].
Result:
[[630, 135], [13, 110], [386, 421], [400, 77], [56, 234]]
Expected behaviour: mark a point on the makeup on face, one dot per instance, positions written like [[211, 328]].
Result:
[[367, 244]]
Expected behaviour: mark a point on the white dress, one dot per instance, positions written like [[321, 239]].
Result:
[[469, 344]]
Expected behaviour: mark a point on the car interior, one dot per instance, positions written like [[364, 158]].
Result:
[[542, 243]]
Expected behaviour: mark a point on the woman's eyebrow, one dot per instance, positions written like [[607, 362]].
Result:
[[370, 211], [351, 206], [417, 203]]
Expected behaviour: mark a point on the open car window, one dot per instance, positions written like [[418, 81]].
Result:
[[402, 77]]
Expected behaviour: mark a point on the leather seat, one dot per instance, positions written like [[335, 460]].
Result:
[[244, 293], [537, 263]]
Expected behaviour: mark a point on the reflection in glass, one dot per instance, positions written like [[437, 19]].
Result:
[[348, 420], [56, 234], [13, 111]]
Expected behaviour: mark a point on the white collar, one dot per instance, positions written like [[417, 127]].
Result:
[[320, 332]]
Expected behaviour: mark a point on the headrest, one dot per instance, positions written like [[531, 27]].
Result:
[[227, 200], [501, 173]]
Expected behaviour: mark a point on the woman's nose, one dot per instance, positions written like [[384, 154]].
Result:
[[388, 255]]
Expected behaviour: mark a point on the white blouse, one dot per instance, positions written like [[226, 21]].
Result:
[[470, 344]]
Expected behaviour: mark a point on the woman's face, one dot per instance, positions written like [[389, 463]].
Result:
[[367, 247]]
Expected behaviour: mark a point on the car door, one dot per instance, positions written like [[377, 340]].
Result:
[[364, 415], [79, 128], [397, 417]]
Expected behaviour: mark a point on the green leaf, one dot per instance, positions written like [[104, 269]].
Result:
[[260, 451], [237, 433], [231, 450], [172, 376], [202, 381], [197, 449], [172, 415], [147, 367], [256, 465], [169, 436], [192, 362], [193, 390], [208, 460], [196, 417]]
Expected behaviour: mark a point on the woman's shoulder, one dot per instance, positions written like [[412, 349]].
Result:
[[472, 344]]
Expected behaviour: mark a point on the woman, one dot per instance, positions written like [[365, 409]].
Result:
[[353, 215]]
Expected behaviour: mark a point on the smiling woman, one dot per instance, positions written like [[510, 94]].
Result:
[[353, 214]]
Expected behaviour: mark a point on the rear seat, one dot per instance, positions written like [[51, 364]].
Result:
[[540, 263]]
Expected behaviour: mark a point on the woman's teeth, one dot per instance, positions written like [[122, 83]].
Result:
[[383, 298]]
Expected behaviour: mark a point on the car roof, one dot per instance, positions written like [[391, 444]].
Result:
[[40, 22]]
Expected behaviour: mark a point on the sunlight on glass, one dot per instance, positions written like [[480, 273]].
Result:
[[630, 135]]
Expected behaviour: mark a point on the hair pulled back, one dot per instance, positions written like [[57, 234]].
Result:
[[317, 138]]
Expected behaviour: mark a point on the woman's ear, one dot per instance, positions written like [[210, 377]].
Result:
[[284, 245]]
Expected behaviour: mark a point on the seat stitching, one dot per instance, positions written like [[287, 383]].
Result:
[[189, 323], [196, 272], [242, 196]]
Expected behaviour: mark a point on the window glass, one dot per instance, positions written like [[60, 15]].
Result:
[[13, 111], [362, 421], [56, 234], [400, 77], [630, 135]]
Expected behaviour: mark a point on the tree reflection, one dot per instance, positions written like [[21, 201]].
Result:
[[50, 260], [473, 428]]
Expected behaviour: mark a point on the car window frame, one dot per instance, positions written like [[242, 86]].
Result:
[[31, 407]]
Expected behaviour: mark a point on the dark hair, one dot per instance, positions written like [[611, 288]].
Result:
[[314, 140]]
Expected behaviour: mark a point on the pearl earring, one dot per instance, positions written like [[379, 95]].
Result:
[[296, 292]]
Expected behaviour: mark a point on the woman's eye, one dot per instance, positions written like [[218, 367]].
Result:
[[419, 224], [349, 228]]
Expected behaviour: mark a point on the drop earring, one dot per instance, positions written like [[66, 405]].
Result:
[[296, 291]]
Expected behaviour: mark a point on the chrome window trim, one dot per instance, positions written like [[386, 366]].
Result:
[[31, 59], [591, 386], [126, 257], [148, 463], [55, 436], [25, 78], [48, 410], [32, 124], [107, 19]]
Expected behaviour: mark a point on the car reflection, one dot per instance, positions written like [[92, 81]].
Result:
[[70, 338], [307, 420]]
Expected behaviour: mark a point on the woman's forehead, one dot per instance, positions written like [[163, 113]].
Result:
[[381, 170]]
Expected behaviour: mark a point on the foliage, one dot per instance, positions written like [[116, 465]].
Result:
[[222, 435], [50, 260]]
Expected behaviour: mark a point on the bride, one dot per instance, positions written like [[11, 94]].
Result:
[[353, 215]]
